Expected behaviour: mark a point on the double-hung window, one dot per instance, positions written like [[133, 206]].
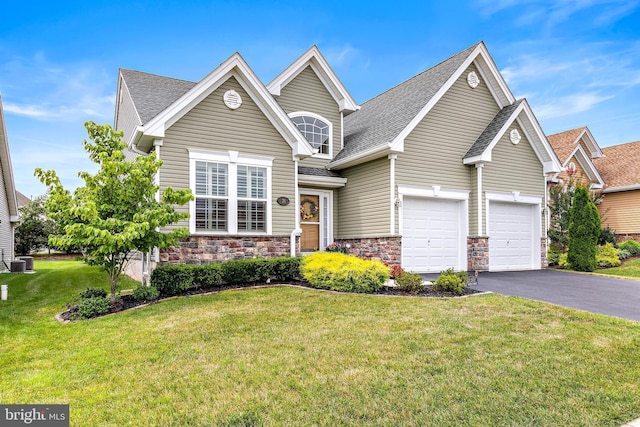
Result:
[[232, 193]]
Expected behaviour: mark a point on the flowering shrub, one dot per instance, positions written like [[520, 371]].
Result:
[[395, 271], [336, 247]]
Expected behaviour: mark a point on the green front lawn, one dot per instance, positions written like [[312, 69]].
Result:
[[629, 268], [291, 356]]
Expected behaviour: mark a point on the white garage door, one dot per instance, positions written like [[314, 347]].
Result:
[[430, 234], [511, 231]]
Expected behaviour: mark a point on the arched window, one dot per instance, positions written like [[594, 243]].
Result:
[[316, 130]]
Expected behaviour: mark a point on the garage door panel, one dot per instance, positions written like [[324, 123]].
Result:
[[510, 236], [431, 234]]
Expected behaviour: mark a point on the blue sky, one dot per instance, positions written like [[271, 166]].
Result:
[[576, 61]]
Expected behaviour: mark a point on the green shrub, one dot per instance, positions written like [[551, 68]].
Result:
[[409, 282], [623, 254], [172, 279], [93, 293], [607, 236], [584, 230], [563, 261], [344, 273], [450, 281], [207, 275], [607, 256], [240, 271], [631, 246], [553, 255], [146, 293], [92, 307], [286, 269]]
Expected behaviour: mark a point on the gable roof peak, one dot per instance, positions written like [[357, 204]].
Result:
[[314, 58]]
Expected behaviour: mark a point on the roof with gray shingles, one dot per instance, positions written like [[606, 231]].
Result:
[[488, 135], [152, 93], [381, 119], [304, 170]]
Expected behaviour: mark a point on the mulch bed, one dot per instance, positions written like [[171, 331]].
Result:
[[126, 302]]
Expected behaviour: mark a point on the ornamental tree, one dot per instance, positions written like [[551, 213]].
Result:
[[116, 212], [584, 229], [34, 229]]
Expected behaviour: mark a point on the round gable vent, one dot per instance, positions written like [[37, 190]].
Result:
[[473, 79], [232, 99], [514, 136]]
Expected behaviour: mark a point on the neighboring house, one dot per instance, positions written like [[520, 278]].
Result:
[[620, 207], [8, 201], [22, 199], [444, 170], [577, 150]]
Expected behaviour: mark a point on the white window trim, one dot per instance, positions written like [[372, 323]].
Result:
[[437, 192], [233, 159], [329, 208], [318, 155]]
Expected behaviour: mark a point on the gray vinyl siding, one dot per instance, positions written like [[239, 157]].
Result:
[[364, 201], [513, 168], [6, 227], [127, 119], [212, 126], [433, 151], [307, 93]]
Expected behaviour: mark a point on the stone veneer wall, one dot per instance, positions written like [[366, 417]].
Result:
[[478, 253], [627, 236], [206, 249], [544, 262], [387, 249]]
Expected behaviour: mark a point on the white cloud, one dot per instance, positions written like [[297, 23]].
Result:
[[569, 104], [555, 12], [41, 90]]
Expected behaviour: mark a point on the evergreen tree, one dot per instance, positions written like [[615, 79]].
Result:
[[584, 230]]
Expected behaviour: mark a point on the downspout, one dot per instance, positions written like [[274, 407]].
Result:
[[479, 167], [392, 192], [297, 230], [146, 258]]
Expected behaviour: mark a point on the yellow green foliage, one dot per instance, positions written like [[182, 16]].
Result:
[[344, 273], [607, 256], [563, 261]]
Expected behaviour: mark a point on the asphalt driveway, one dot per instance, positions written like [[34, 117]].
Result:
[[614, 297]]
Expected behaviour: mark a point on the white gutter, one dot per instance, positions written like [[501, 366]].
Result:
[[622, 188]]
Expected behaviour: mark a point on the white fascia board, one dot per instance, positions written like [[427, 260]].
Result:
[[622, 188], [491, 69], [547, 157], [322, 69], [234, 66], [322, 181], [587, 165], [590, 142], [486, 155], [363, 157], [7, 168], [494, 73]]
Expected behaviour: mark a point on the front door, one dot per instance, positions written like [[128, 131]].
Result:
[[310, 222]]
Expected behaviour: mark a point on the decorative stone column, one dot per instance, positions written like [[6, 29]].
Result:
[[478, 253]]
